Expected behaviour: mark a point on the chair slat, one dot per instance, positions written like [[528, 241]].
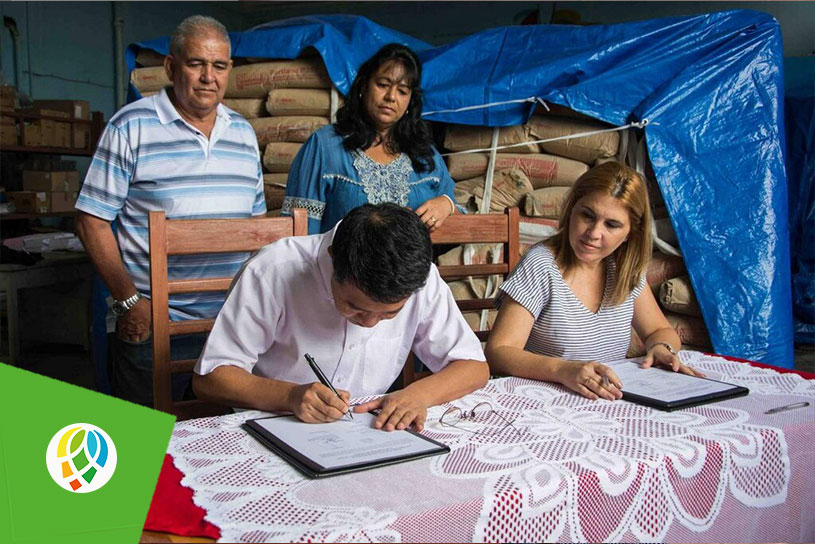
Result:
[[464, 270], [182, 366], [199, 286]]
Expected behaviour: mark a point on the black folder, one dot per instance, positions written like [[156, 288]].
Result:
[[314, 469], [642, 397]]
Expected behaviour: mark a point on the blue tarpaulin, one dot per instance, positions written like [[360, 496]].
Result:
[[710, 87]]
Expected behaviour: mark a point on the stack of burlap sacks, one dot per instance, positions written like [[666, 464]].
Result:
[[536, 178], [285, 101]]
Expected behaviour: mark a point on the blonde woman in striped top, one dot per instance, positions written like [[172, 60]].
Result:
[[570, 304]]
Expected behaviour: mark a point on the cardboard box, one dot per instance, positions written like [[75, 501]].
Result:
[[63, 134], [78, 109], [8, 131], [50, 113], [63, 201], [42, 202], [48, 133], [8, 95], [34, 180], [32, 136], [80, 136], [30, 201]]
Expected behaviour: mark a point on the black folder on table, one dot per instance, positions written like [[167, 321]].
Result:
[[682, 390], [329, 449]]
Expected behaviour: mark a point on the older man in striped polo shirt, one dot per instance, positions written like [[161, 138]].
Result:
[[183, 152]]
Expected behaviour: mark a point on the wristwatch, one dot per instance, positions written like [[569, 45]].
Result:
[[121, 307]]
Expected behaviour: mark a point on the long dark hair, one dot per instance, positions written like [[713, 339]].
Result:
[[410, 135]]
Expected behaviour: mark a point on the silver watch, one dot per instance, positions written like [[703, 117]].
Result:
[[121, 307], [667, 346]]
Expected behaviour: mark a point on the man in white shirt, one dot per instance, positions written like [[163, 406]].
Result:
[[358, 299]]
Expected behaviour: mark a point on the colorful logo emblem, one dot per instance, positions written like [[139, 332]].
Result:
[[81, 458]]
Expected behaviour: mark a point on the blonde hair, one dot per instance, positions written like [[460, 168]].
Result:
[[633, 256]]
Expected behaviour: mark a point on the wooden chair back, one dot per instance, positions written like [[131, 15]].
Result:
[[490, 228], [188, 237]]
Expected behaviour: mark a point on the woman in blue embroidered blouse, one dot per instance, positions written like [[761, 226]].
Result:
[[379, 150]]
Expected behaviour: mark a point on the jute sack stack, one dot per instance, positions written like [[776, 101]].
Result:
[[585, 149], [508, 189], [676, 295], [148, 57], [691, 330], [286, 129], [662, 268], [274, 196], [542, 170], [464, 137], [149, 79], [278, 156], [276, 179], [547, 202], [256, 80], [248, 107], [284, 102]]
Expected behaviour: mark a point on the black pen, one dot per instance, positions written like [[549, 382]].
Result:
[[323, 380]]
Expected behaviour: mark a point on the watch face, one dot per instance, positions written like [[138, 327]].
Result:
[[117, 309]]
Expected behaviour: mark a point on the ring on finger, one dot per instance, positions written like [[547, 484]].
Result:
[[432, 219]]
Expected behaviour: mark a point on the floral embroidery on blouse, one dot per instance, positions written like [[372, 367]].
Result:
[[384, 182]]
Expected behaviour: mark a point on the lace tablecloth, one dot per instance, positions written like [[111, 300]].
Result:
[[578, 470]]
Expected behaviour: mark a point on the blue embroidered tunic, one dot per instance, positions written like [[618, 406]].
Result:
[[328, 181]]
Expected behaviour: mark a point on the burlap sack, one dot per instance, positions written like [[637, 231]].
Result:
[[148, 57], [473, 319], [508, 189], [278, 156], [286, 129], [273, 213], [274, 196], [149, 79], [256, 80], [664, 267], [665, 230], [482, 254], [299, 102], [586, 149], [691, 330], [676, 295], [547, 202], [541, 169], [275, 179], [248, 107], [464, 137]]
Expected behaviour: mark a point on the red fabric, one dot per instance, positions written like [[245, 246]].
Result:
[[172, 509]]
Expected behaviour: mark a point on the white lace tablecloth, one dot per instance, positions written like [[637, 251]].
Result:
[[579, 470]]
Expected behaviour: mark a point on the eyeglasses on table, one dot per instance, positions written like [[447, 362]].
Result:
[[481, 415]]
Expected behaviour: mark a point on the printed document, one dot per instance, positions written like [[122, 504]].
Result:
[[664, 385], [345, 442]]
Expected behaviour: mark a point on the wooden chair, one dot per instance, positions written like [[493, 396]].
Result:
[[474, 229], [186, 237]]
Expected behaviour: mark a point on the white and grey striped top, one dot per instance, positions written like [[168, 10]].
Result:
[[564, 327]]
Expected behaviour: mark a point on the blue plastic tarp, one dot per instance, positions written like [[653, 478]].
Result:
[[711, 88]]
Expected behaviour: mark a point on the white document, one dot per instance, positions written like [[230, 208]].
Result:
[[659, 384], [345, 442]]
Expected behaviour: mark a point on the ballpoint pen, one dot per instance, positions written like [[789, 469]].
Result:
[[323, 380], [787, 407]]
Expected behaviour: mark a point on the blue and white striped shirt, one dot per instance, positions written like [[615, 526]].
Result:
[[150, 159], [564, 327]]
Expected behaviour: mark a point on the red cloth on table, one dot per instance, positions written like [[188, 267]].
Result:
[[173, 510]]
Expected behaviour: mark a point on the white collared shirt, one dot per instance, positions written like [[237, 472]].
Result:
[[281, 307]]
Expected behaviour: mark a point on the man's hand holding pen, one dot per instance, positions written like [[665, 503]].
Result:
[[316, 403]]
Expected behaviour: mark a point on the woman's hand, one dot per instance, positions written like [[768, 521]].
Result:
[[659, 354], [586, 378], [434, 211]]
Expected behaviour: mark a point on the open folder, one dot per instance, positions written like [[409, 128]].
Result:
[[328, 449], [667, 390]]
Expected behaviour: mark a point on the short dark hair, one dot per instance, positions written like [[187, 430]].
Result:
[[410, 135], [384, 250]]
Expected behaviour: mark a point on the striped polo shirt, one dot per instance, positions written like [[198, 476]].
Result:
[[564, 327], [150, 159]]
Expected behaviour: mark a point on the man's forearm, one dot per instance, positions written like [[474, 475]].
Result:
[[103, 251], [234, 386], [452, 382]]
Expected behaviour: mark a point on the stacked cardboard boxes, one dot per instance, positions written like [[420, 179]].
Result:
[[46, 191]]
